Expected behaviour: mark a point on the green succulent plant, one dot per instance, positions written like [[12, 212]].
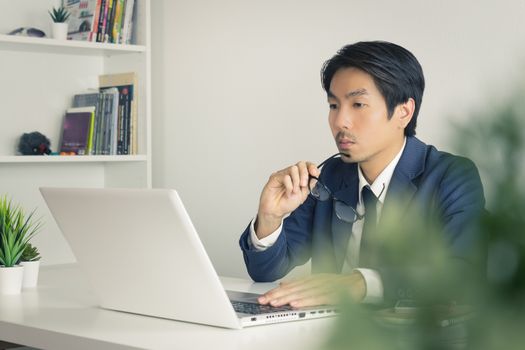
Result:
[[59, 15], [30, 253], [16, 229]]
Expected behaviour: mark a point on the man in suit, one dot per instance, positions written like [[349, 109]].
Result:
[[332, 215]]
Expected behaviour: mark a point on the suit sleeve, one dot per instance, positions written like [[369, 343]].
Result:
[[292, 248]]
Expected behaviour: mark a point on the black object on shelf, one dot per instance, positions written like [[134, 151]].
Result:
[[33, 144]]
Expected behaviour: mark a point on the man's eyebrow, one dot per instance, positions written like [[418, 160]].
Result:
[[358, 92]]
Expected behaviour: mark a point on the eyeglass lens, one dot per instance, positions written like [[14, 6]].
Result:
[[319, 191], [345, 212], [35, 32]]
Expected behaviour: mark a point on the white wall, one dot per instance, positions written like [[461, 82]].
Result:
[[236, 90]]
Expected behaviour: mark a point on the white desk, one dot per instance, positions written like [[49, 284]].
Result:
[[62, 314]]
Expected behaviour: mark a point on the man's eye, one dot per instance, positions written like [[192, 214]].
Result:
[[358, 105], [332, 106]]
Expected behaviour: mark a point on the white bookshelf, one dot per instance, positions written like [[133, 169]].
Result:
[[39, 78], [72, 159], [69, 47]]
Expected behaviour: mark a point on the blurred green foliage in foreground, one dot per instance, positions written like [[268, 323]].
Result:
[[494, 315]]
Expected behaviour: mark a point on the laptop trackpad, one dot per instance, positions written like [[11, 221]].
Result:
[[242, 296]]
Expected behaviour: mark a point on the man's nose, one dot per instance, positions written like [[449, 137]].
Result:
[[343, 119]]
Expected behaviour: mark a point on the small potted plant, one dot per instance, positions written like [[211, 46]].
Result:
[[30, 260], [59, 17], [16, 229]]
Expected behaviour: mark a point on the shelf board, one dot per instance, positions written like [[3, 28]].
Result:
[[72, 159], [74, 47]]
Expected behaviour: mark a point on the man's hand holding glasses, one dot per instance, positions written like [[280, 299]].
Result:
[[286, 190]]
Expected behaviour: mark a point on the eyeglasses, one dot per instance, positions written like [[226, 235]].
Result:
[[322, 193]]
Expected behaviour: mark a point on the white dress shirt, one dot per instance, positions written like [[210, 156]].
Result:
[[373, 282]]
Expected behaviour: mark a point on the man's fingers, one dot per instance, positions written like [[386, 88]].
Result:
[[285, 190], [303, 173], [315, 290], [309, 280], [299, 176], [296, 178], [305, 191], [291, 291], [310, 294], [288, 184], [323, 298], [312, 290], [313, 169]]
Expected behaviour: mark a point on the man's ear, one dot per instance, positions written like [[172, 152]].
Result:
[[404, 112]]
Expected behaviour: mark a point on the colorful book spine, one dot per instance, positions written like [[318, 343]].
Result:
[[102, 21], [100, 25], [117, 25], [94, 29], [108, 38], [89, 147], [127, 22]]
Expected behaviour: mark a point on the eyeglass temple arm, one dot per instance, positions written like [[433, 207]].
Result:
[[332, 157]]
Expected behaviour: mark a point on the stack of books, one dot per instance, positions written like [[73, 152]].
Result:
[[103, 122], [106, 21]]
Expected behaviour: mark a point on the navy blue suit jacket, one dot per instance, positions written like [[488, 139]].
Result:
[[438, 184]]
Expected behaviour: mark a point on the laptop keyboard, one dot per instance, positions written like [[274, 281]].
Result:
[[256, 309]]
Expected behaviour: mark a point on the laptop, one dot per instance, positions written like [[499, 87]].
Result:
[[142, 255]]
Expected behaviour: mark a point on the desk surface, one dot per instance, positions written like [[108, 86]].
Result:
[[62, 314]]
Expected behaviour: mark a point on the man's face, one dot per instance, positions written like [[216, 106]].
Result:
[[359, 119]]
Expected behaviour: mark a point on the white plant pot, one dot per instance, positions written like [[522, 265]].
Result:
[[11, 279], [59, 31], [31, 269]]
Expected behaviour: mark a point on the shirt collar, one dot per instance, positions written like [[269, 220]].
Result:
[[380, 185]]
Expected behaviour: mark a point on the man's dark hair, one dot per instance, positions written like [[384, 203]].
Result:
[[395, 70]]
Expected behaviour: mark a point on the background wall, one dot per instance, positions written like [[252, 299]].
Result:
[[236, 90]]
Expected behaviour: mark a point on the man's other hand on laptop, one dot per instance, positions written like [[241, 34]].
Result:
[[318, 289]]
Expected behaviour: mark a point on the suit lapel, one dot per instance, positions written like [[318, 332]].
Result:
[[402, 188], [400, 193]]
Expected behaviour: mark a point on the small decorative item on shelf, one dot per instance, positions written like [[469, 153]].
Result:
[[34, 143], [28, 31], [16, 229], [30, 260], [60, 26]]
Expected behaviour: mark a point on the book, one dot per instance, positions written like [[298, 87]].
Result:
[[94, 29], [111, 115], [82, 18], [110, 19], [127, 131], [77, 131], [117, 24], [102, 20], [127, 21], [91, 100]]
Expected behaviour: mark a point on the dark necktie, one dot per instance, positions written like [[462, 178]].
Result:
[[370, 202]]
